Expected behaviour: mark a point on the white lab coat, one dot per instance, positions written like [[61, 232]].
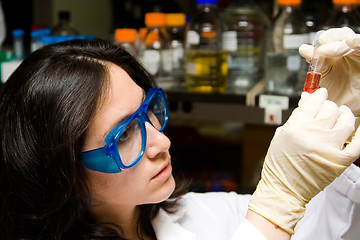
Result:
[[333, 214]]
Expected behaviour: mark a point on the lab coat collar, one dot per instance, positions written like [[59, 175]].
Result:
[[167, 227]]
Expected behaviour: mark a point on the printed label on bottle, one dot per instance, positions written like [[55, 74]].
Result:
[[295, 40], [167, 60], [151, 60], [293, 62], [229, 41], [193, 37]]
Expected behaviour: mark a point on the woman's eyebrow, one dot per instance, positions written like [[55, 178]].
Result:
[[124, 117]]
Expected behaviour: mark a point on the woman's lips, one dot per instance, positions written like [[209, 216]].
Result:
[[165, 172]]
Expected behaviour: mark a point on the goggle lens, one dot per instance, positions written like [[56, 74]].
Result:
[[157, 112], [130, 141]]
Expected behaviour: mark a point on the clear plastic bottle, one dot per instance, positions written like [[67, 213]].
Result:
[[36, 36], [243, 38], [127, 38], [175, 24], [285, 69], [64, 26], [344, 15], [206, 65], [154, 49], [18, 41]]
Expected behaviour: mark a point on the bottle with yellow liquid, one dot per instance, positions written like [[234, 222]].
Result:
[[206, 65]]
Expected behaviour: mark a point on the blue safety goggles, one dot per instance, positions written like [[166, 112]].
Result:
[[125, 144]]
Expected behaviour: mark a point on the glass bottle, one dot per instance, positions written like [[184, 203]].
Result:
[[243, 38], [154, 49], [206, 65], [175, 23], [64, 26], [127, 38], [285, 69], [344, 15]]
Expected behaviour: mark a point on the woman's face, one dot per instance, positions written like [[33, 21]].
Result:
[[150, 180]]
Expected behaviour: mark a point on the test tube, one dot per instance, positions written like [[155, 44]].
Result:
[[316, 63]]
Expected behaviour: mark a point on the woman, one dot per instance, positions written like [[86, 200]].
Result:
[[83, 156], [57, 90]]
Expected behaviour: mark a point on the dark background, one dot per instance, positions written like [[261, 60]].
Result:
[[129, 13]]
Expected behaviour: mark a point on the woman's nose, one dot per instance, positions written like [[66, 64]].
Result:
[[156, 142]]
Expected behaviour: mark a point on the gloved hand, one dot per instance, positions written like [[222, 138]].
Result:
[[305, 155], [341, 72]]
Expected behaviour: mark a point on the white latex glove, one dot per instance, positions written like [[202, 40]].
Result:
[[305, 155], [341, 72]]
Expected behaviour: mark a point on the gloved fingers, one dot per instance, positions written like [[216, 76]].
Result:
[[333, 42], [335, 35], [278, 131], [312, 103], [327, 114], [346, 120], [344, 126], [334, 49], [352, 150], [306, 51], [304, 96], [353, 41]]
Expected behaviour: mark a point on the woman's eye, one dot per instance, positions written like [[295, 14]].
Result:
[[123, 137], [126, 134]]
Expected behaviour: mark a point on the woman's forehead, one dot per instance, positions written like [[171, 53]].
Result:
[[122, 85], [123, 95]]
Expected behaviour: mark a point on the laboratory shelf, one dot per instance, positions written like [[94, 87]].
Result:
[[221, 107]]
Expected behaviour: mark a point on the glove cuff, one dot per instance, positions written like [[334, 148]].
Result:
[[277, 208]]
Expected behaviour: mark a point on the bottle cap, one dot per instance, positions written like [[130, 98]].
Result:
[[345, 1], [155, 19], [175, 19], [51, 39], [125, 34], [40, 32], [207, 2], [289, 2], [18, 32]]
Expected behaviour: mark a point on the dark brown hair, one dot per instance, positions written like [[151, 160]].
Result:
[[45, 109]]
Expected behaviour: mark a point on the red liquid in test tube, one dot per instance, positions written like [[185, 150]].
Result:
[[312, 82], [314, 74]]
